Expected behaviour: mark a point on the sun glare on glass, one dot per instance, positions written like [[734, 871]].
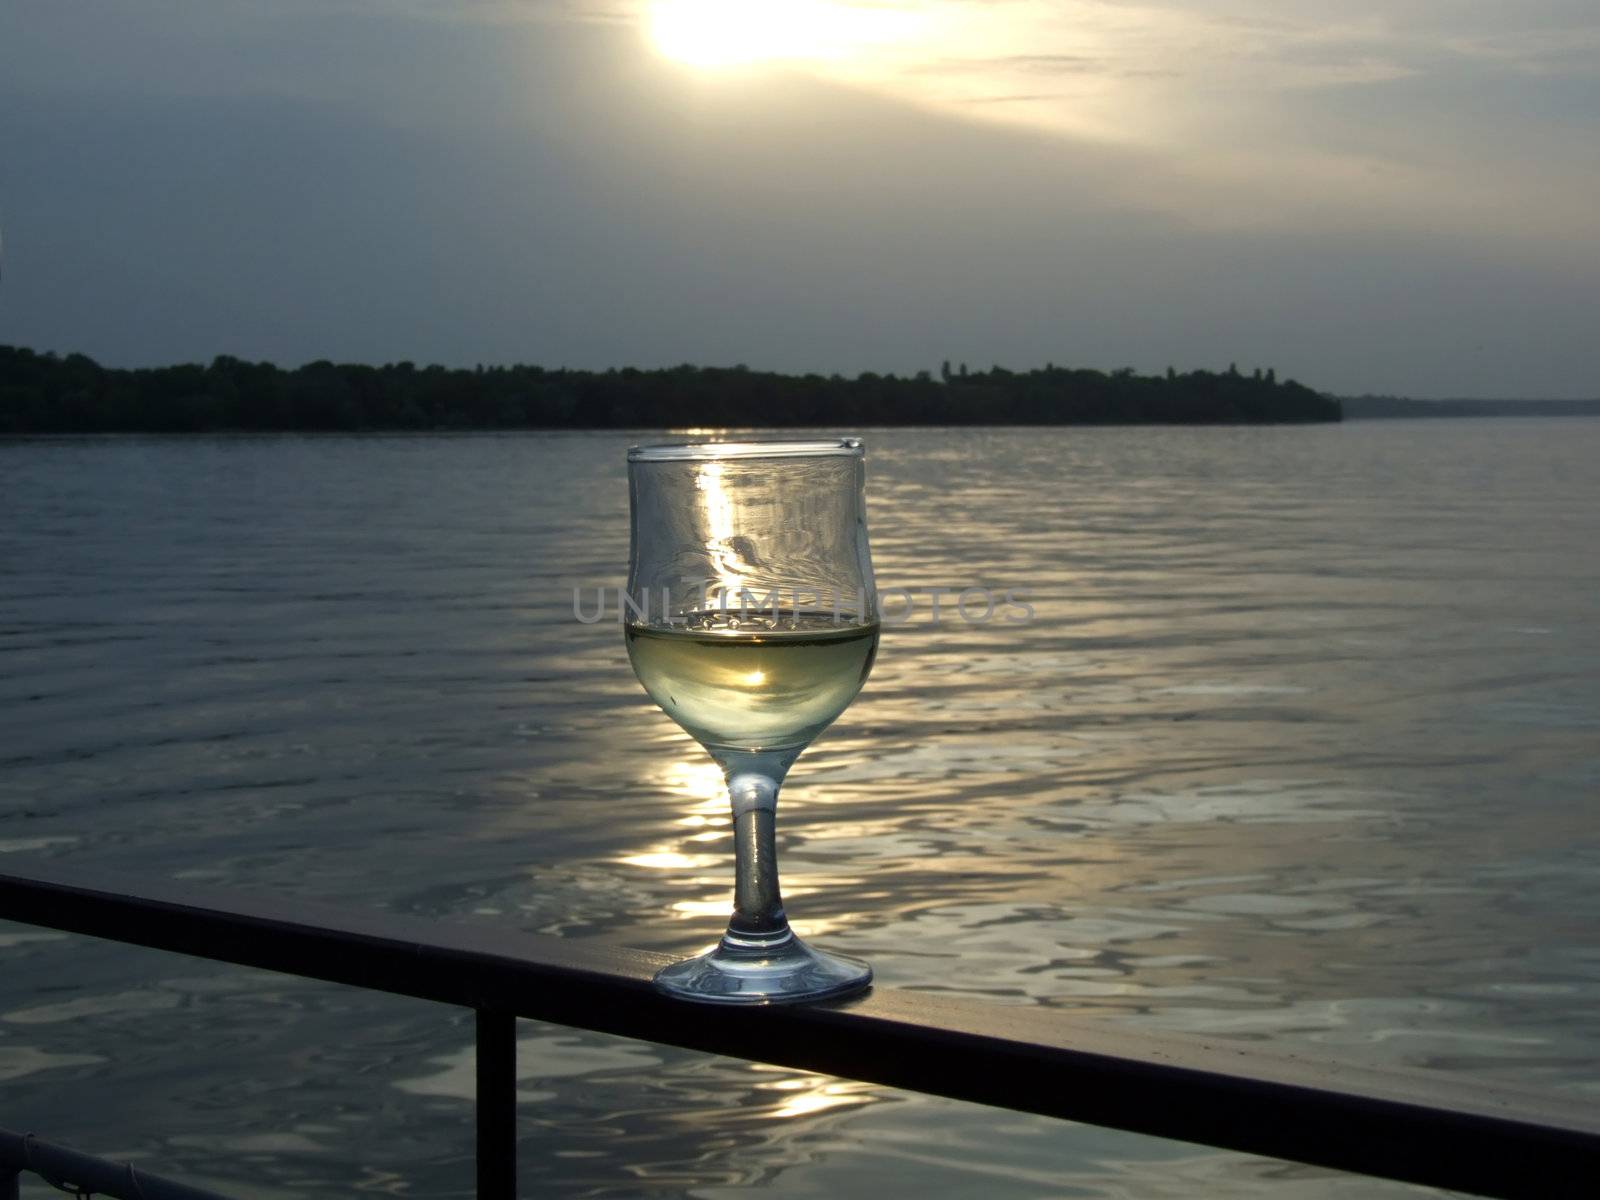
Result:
[[730, 33]]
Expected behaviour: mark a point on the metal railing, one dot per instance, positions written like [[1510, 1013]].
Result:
[[1450, 1131], [83, 1174]]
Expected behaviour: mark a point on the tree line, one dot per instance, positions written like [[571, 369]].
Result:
[[46, 393]]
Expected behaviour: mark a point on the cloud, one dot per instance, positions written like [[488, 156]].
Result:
[[294, 181], [1035, 98]]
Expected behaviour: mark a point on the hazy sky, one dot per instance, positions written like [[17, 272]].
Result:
[[1404, 196]]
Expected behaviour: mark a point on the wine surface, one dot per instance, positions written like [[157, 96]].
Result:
[[763, 689]]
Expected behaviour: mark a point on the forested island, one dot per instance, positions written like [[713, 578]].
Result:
[[47, 393]]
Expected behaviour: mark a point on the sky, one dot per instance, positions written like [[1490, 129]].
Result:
[[1398, 197]]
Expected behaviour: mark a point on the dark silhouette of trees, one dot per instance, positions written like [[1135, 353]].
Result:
[[44, 393]]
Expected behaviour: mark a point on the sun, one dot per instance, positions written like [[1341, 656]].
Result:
[[733, 33]]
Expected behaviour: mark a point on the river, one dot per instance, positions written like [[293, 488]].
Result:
[[1301, 746]]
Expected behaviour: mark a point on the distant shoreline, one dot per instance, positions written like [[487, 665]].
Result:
[[72, 394], [1373, 408], [46, 393]]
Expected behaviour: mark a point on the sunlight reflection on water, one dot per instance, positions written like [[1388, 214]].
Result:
[[1299, 749]]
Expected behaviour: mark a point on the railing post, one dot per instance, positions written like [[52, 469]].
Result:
[[497, 1105]]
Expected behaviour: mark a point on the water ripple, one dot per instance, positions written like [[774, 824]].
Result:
[[1298, 749]]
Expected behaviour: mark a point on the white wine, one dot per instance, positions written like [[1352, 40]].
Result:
[[764, 689]]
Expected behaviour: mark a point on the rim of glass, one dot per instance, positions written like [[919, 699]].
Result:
[[702, 451]]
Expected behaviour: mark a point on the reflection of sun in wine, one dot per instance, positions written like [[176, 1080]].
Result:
[[731, 33]]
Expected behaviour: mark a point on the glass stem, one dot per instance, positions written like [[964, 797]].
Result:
[[758, 920]]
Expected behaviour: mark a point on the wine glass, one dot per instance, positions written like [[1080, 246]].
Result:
[[751, 619]]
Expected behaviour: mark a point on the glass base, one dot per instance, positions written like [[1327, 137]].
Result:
[[781, 970]]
